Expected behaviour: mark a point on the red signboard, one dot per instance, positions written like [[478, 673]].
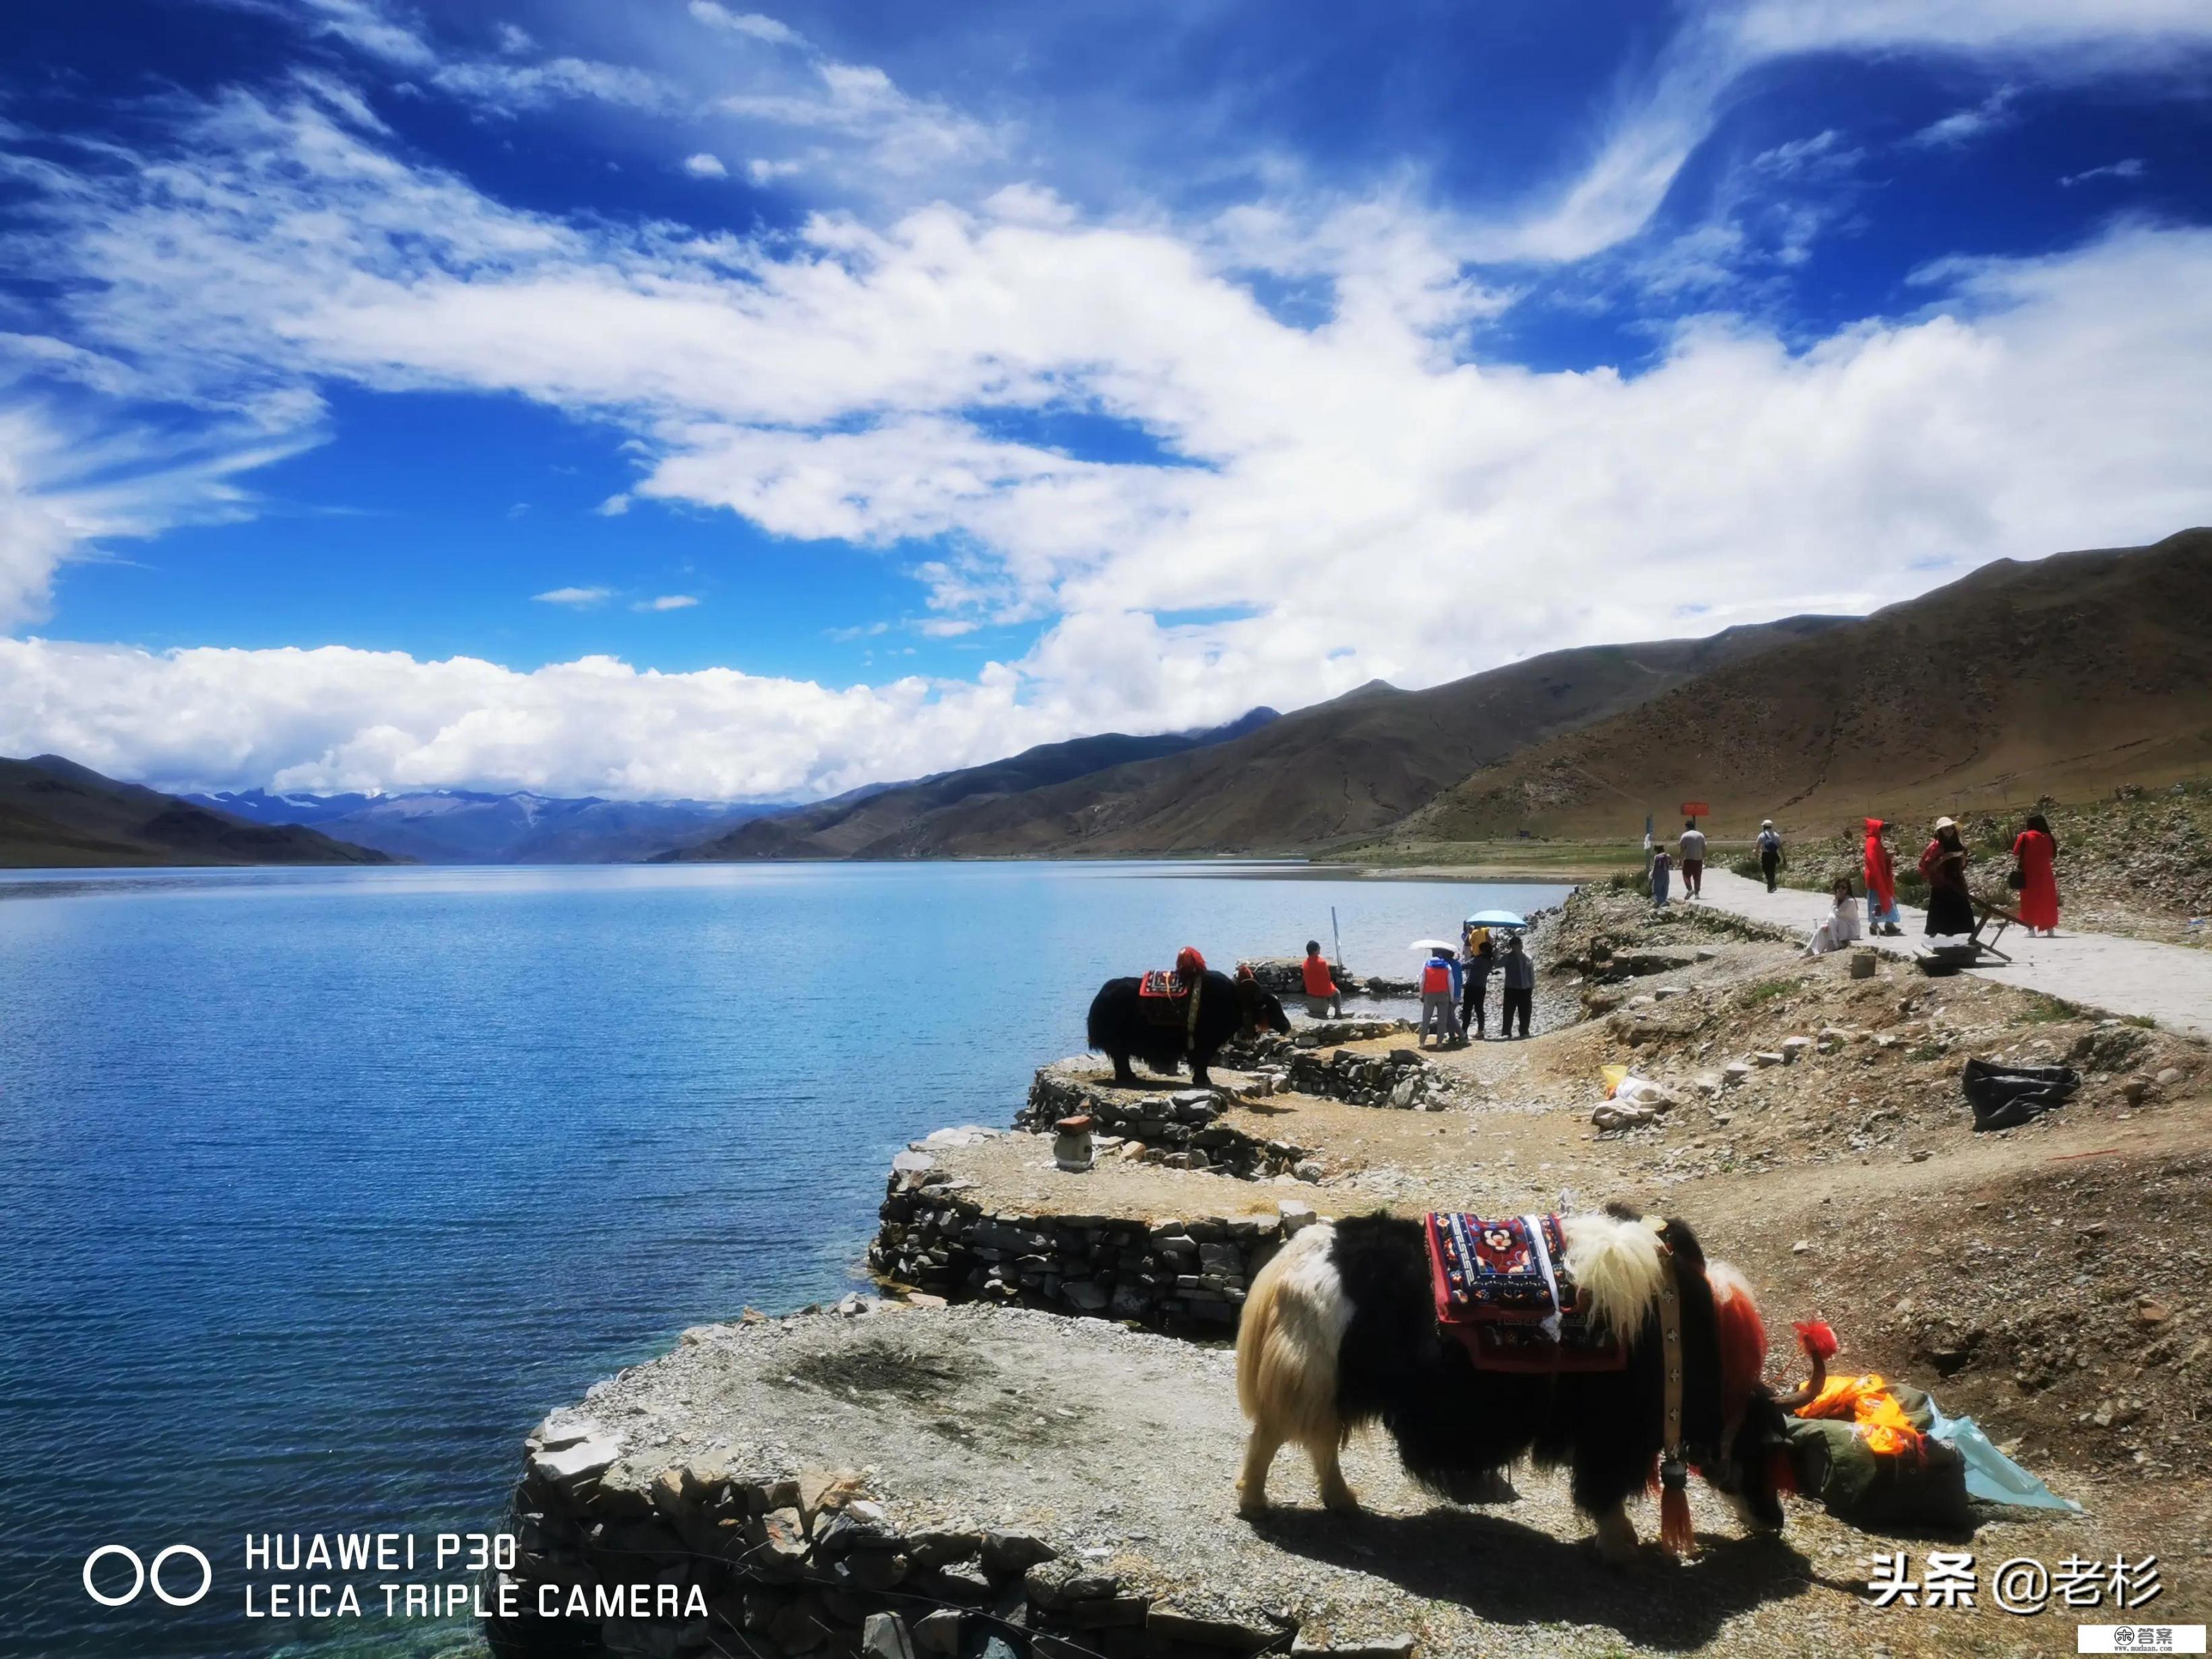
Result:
[[1695, 809]]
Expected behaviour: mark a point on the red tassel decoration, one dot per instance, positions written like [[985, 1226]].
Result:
[[1676, 1531], [1818, 1341]]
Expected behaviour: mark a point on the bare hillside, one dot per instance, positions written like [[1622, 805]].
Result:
[[1339, 769], [56, 814], [2064, 676]]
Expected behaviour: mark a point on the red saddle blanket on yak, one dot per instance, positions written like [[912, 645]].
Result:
[[1503, 1289], [1162, 982]]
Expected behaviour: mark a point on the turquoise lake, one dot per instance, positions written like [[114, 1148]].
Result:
[[318, 1187]]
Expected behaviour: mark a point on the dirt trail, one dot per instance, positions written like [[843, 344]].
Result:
[[2163, 982]]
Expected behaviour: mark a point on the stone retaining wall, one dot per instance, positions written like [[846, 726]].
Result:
[[1400, 1079], [1181, 1130], [1183, 1277], [1286, 977]]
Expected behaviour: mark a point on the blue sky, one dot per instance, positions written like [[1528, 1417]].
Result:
[[672, 398]]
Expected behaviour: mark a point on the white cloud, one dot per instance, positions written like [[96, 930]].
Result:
[[335, 718], [70, 486], [667, 602], [763, 172], [751, 24], [705, 166], [1355, 497], [581, 597], [615, 505], [1965, 126], [906, 136], [2132, 168], [1642, 142]]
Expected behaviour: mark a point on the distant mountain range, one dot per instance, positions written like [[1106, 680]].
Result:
[[1338, 771], [2066, 675], [889, 822], [55, 813], [461, 826]]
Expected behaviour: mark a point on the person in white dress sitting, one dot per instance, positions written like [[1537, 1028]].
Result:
[[1840, 926]]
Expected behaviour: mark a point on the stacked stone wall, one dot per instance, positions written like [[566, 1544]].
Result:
[[1185, 1277], [1181, 1130], [800, 1562]]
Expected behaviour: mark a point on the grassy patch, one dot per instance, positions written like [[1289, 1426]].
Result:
[[1767, 989], [1925, 1051], [2043, 1010]]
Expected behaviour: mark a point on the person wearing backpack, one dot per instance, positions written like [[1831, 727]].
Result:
[[1769, 845]]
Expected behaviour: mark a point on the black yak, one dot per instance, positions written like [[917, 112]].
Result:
[[1341, 1330], [1122, 1025]]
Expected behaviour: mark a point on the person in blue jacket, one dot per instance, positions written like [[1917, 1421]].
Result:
[[1441, 985]]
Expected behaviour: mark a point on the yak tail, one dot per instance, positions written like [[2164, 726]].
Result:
[[1295, 1316]]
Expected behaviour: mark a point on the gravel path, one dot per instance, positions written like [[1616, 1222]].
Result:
[[2163, 982], [1120, 1447]]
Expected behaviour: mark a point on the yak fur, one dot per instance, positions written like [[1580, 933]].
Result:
[[1119, 1028], [1340, 1331]]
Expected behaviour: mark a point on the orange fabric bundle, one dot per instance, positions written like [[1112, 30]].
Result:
[[1867, 1402]]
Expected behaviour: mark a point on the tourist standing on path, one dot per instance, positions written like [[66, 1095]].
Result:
[[1693, 859], [1479, 962], [2033, 849], [1321, 984], [1520, 987], [1769, 851], [1440, 989], [1662, 866], [1950, 903], [1880, 880]]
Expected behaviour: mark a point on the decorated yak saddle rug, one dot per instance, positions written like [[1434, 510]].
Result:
[[1168, 1001], [1503, 1289]]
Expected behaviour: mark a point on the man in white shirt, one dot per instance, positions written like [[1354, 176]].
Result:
[[1693, 859]]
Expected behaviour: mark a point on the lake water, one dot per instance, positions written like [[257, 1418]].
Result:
[[318, 1187]]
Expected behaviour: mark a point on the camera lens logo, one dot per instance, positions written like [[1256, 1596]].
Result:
[[142, 1575]]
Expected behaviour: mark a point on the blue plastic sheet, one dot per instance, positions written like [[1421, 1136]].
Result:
[[1991, 1475]]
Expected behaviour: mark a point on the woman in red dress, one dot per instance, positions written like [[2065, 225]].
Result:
[[2033, 849]]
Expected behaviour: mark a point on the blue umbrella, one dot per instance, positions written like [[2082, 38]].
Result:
[[1495, 919]]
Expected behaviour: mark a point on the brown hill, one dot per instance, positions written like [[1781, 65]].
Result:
[[2062, 676], [1342, 768], [847, 825], [55, 813]]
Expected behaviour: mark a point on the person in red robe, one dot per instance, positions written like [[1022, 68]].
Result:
[[1880, 880], [2035, 849]]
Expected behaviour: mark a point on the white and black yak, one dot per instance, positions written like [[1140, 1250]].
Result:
[[1340, 1330], [1121, 1026]]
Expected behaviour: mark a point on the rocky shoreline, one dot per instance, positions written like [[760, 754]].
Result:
[[1025, 1448]]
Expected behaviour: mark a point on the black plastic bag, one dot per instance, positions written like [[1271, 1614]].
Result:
[[2005, 1097]]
